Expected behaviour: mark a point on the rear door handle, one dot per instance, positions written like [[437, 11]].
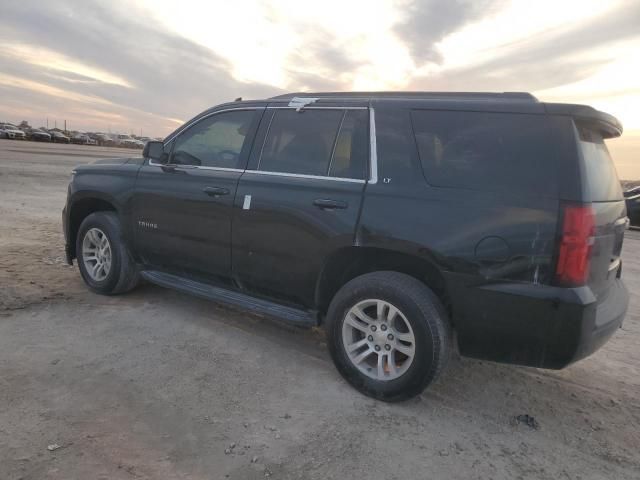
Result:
[[328, 204], [215, 191]]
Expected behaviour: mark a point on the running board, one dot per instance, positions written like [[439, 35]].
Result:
[[259, 306]]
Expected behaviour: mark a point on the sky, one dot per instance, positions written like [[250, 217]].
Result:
[[149, 65]]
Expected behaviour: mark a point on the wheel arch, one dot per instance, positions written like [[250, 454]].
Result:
[[80, 209], [351, 262]]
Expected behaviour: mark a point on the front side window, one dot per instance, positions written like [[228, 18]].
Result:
[[317, 142], [215, 141]]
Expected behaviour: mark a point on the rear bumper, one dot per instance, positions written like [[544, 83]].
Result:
[[535, 325]]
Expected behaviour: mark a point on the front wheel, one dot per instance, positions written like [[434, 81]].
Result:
[[104, 260], [389, 335]]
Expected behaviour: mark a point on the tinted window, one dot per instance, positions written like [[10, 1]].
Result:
[[215, 141], [396, 146], [486, 151], [350, 157], [600, 176], [300, 142]]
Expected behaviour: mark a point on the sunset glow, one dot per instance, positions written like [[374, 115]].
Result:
[[151, 64]]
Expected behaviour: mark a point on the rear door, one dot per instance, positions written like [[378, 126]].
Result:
[[601, 186], [300, 198], [182, 208]]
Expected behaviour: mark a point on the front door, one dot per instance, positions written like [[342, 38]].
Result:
[[182, 207], [299, 201]]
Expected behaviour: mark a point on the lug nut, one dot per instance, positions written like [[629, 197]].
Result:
[[370, 338], [373, 328], [377, 347], [387, 347], [390, 337], [383, 327]]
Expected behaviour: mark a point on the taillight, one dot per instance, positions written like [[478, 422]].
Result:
[[578, 228]]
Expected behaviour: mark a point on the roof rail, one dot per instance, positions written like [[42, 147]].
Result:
[[462, 95]]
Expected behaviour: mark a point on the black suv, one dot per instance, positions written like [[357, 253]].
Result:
[[406, 223]]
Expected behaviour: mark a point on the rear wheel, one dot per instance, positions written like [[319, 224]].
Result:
[[104, 260], [389, 335]]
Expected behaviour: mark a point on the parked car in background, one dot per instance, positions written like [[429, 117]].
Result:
[[11, 132], [59, 137], [38, 135], [83, 139], [102, 139], [127, 141], [632, 197], [121, 138]]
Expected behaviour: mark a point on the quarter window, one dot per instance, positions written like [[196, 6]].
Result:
[[317, 142], [487, 151], [215, 141]]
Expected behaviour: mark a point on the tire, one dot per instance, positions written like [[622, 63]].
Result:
[[420, 316], [122, 274]]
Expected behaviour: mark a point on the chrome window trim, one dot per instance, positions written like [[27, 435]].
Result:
[[315, 108], [191, 167], [373, 152], [373, 147], [302, 175]]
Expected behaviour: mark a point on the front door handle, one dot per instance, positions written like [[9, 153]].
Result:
[[215, 191], [328, 204]]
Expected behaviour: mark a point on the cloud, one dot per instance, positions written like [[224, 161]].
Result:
[[164, 75], [548, 59], [113, 63], [321, 61], [426, 22]]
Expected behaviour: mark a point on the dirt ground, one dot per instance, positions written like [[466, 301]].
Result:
[[159, 385]]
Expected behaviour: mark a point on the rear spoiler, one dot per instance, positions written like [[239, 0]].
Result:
[[608, 125]]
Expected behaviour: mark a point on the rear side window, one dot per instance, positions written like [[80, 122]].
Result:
[[317, 142], [351, 152], [486, 151], [601, 181]]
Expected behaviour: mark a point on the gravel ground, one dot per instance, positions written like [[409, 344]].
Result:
[[156, 384]]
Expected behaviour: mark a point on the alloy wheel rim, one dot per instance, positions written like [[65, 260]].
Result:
[[378, 339], [96, 254]]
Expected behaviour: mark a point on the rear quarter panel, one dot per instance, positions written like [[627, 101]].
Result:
[[475, 238]]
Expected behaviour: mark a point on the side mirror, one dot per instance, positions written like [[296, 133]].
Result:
[[154, 150]]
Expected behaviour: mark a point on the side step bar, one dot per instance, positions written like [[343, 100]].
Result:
[[259, 306]]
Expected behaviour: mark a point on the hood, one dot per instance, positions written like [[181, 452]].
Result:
[[116, 161]]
